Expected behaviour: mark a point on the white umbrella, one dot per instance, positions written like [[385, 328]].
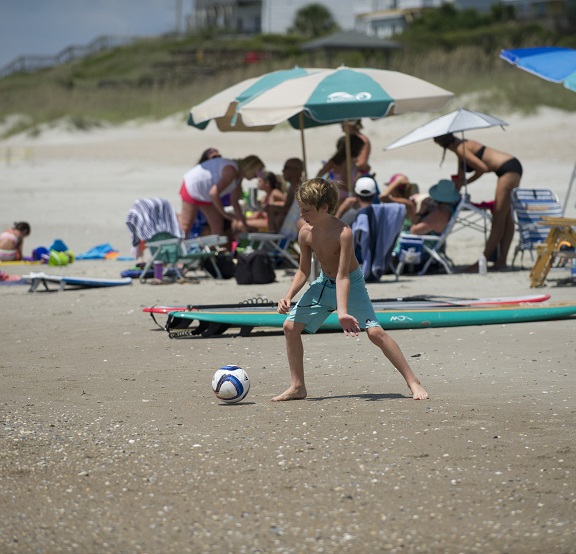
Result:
[[457, 121]]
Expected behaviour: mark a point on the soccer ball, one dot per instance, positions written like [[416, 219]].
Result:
[[231, 384]]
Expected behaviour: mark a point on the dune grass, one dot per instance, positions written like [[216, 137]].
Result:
[[75, 91]]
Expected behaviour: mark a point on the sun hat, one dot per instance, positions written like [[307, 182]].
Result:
[[444, 191], [365, 186]]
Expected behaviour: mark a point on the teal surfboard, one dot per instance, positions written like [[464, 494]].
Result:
[[216, 321]]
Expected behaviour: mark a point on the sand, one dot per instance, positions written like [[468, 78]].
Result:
[[112, 440]]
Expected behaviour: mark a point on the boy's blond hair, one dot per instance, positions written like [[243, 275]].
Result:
[[319, 192]]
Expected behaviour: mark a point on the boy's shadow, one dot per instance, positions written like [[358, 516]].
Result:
[[364, 396]]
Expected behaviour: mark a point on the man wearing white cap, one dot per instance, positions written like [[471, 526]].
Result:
[[365, 192]]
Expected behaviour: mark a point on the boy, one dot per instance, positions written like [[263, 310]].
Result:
[[340, 286]]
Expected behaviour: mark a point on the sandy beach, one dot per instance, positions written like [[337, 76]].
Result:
[[112, 440]]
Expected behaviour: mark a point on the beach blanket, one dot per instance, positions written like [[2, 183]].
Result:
[[99, 252]]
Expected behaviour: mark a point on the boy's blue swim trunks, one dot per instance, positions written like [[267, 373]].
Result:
[[319, 301]]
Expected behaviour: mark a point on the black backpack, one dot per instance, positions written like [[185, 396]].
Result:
[[224, 262], [254, 268]]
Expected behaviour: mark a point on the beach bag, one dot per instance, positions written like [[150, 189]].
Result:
[[255, 268], [224, 263]]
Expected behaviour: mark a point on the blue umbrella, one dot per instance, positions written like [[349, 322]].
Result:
[[552, 63]]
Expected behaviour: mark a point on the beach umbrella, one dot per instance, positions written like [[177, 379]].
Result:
[[552, 63], [335, 95], [458, 121], [327, 96], [222, 107], [309, 97]]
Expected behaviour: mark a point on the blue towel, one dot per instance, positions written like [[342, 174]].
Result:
[[375, 231], [97, 253]]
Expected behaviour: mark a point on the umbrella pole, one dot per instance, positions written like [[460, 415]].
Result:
[[301, 123], [348, 157], [569, 190], [464, 169]]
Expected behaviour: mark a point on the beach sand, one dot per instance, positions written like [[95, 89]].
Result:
[[112, 440]]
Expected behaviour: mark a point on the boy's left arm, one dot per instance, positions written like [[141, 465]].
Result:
[[349, 323]]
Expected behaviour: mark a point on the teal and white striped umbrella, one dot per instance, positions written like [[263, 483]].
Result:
[[329, 96], [222, 107], [310, 97]]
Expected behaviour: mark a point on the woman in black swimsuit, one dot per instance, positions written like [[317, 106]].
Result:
[[479, 159]]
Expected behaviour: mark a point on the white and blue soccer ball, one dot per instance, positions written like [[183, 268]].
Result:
[[231, 384]]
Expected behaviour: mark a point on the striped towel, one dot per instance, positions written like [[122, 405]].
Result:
[[150, 216]]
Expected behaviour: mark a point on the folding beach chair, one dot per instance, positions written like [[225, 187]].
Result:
[[375, 230], [281, 245], [179, 256], [148, 217], [529, 206], [154, 226], [430, 248]]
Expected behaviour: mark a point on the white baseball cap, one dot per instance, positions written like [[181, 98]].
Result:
[[365, 186]]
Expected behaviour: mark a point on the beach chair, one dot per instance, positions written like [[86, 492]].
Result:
[[376, 229], [154, 227], [147, 218], [282, 245], [180, 256], [529, 207], [425, 249]]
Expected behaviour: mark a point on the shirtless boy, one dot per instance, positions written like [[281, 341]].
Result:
[[340, 287]]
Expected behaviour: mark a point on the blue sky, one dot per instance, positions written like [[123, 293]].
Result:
[[45, 27]]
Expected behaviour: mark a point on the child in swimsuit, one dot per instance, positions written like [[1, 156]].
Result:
[[11, 241], [340, 287]]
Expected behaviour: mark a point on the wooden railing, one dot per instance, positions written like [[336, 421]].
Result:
[[30, 64]]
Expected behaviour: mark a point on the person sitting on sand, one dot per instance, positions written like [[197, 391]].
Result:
[[12, 240], [340, 286]]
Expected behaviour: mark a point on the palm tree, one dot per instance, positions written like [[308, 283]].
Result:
[[314, 20]]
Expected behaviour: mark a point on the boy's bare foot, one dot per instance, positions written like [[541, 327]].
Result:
[[291, 394], [418, 392]]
